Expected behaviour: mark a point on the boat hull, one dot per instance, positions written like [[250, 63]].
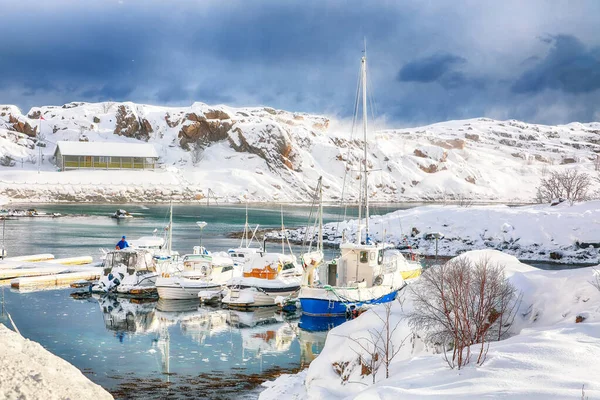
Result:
[[181, 290], [251, 297], [325, 303]]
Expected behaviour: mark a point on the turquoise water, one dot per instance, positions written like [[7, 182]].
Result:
[[87, 227]]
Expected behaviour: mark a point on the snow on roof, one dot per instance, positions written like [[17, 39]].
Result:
[[106, 149]]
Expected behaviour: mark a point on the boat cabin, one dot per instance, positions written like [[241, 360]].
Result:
[[359, 265], [270, 265], [136, 261]]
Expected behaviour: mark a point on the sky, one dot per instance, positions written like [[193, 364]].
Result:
[[428, 61]]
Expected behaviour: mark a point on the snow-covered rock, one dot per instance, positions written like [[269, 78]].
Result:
[[563, 233], [480, 159], [30, 372]]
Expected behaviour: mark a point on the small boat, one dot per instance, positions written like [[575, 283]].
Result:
[[201, 272], [366, 272], [266, 277], [121, 214], [128, 269]]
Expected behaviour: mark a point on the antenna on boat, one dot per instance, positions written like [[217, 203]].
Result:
[[201, 225]]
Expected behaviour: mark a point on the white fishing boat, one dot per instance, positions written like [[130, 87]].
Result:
[[363, 274], [121, 214], [266, 277]]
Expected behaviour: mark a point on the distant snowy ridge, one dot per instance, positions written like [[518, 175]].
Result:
[[273, 155], [561, 233]]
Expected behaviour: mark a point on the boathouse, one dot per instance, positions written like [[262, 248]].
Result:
[[104, 155]]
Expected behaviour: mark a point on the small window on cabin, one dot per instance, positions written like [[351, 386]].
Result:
[[227, 268], [288, 266], [241, 255], [380, 257], [372, 256], [364, 256]]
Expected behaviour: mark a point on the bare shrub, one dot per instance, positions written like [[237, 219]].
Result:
[[569, 184], [107, 106], [379, 347], [460, 304]]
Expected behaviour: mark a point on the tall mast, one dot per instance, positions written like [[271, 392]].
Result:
[[282, 233], [364, 107], [320, 244], [170, 246]]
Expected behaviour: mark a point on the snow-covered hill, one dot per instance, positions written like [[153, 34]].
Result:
[[274, 155], [551, 353]]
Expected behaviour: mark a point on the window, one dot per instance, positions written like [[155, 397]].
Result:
[[227, 268], [288, 266], [380, 257], [372, 256], [364, 256]]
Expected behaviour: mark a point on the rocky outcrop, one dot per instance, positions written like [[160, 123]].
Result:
[[21, 127], [130, 125], [198, 130], [272, 143]]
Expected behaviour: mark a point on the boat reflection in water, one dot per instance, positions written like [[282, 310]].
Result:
[[218, 349], [312, 333], [125, 315]]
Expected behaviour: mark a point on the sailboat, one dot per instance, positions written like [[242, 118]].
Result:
[[363, 274]]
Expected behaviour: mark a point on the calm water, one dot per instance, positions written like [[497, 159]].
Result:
[[161, 349], [158, 350], [87, 228]]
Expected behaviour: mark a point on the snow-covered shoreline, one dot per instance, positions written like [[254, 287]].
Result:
[[561, 233], [552, 352], [30, 372]]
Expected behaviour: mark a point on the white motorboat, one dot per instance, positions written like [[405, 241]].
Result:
[[201, 271], [128, 271], [266, 277], [363, 274]]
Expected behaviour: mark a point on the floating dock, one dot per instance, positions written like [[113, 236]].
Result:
[[61, 279], [31, 258]]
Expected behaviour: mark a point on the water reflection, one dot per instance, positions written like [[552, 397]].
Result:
[[191, 341]]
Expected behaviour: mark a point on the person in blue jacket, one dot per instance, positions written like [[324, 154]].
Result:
[[122, 244]]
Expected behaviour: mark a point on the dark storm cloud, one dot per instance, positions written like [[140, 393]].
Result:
[[428, 61], [430, 69], [569, 67]]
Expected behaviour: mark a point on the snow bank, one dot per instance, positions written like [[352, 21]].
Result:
[[549, 356], [571, 233], [28, 372]]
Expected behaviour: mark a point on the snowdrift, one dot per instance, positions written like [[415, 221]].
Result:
[[548, 356]]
